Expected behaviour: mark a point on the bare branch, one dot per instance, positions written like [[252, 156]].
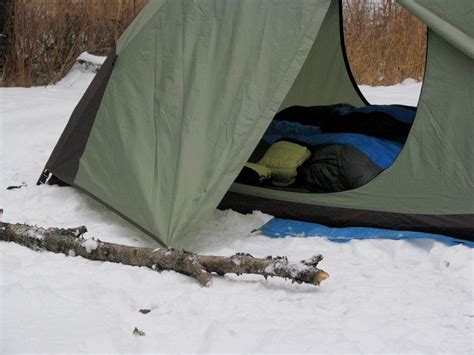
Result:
[[71, 242]]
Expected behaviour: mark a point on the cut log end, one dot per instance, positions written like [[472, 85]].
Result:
[[321, 276]]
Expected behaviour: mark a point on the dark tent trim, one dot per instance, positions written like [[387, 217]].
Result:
[[64, 160], [344, 56], [456, 225]]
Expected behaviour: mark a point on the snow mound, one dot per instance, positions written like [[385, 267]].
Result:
[[409, 81], [405, 93], [86, 63], [86, 57]]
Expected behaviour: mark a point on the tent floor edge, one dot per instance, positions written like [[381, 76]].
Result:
[[457, 225]]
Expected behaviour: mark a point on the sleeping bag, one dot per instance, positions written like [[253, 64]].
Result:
[[392, 122], [312, 115], [401, 113], [336, 167], [382, 152], [349, 146], [374, 124]]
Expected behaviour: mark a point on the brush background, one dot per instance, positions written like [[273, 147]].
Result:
[[41, 39]]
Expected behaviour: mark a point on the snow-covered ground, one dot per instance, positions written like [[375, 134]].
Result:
[[406, 93], [382, 296]]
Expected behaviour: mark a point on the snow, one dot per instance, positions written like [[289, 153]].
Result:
[[89, 58], [34, 234], [90, 245], [381, 296], [405, 93]]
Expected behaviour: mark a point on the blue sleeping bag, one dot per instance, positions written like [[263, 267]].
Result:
[[382, 152], [398, 112]]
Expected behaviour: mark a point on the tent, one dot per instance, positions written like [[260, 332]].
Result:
[[181, 102]]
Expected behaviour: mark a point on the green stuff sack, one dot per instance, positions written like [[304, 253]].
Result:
[[283, 158], [254, 174]]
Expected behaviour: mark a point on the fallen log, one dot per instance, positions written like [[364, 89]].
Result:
[[71, 242]]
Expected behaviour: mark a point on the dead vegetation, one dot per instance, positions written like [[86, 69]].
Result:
[[42, 38], [385, 44]]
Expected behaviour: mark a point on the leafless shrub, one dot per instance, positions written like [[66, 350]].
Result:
[[45, 36], [384, 43]]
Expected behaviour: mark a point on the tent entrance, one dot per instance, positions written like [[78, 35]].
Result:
[[326, 149], [350, 142]]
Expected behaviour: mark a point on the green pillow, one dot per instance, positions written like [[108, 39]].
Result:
[[283, 158]]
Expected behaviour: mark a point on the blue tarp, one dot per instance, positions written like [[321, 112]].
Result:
[[381, 151], [279, 228]]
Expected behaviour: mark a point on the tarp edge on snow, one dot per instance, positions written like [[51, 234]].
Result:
[[281, 228]]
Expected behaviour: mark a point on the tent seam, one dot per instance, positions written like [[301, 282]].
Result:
[[155, 168], [181, 126]]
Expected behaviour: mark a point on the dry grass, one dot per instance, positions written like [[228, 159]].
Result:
[[384, 43], [46, 36]]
